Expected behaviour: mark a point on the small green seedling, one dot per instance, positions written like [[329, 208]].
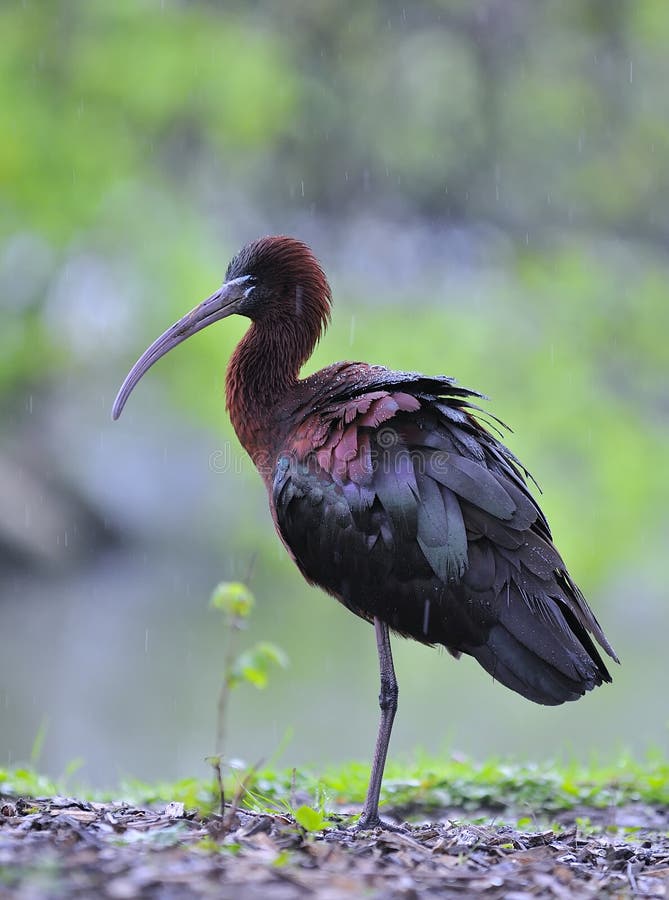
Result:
[[235, 602], [310, 819]]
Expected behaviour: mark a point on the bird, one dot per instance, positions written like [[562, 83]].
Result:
[[394, 493]]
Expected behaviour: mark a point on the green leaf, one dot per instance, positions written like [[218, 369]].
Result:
[[253, 665], [233, 598], [310, 819]]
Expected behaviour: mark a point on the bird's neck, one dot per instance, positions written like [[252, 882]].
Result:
[[262, 373]]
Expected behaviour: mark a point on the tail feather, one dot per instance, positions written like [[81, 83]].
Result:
[[542, 652], [519, 672]]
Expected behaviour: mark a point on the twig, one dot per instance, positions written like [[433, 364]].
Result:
[[293, 776], [241, 790], [216, 765]]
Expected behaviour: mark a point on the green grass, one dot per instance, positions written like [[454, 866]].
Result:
[[421, 784], [430, 783]]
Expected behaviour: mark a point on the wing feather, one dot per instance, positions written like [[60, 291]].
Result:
[[397, 500]]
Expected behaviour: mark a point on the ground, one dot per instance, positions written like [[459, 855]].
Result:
[[62, 847]]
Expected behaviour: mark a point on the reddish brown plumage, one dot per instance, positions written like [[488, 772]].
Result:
[[290, 317]]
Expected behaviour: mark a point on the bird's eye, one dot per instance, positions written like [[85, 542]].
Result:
[[251, 284]]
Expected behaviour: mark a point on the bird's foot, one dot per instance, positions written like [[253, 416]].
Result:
[[370, 823]]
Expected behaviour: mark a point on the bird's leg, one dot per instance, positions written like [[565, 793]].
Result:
[[388, 703]]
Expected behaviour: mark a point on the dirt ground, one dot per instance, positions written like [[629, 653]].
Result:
[[66, 848]]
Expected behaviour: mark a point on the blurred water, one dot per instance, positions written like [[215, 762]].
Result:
[[120, 657], [123, 663]]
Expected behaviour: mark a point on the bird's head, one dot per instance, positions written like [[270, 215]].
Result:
[[273, 281]]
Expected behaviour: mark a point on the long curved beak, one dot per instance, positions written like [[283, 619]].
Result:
[[223, 303]]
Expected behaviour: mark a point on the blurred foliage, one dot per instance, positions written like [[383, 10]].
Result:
[[97, 93], [142, 142]]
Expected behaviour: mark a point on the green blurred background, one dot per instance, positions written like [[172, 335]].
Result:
[[486, 183]]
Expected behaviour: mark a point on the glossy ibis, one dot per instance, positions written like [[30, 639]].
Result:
[[388, 492]]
